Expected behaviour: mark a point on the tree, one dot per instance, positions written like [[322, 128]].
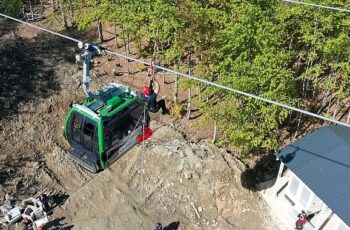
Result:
[[90, 11], [293, 54], [11, 7]]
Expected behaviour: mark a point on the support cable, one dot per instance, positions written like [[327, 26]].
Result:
[[41, 28], [317, 5], [193, 77]]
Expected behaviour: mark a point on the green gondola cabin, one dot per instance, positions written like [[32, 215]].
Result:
[[106, 125]]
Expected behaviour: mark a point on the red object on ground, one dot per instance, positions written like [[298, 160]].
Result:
[[147, 133]]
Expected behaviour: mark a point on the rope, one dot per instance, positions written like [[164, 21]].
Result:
[[235, 90], [142, 149], [193, 77], [317, 5]]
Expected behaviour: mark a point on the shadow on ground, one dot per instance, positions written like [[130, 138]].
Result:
[[265, 171], [172, 226], [58, 224], [58, 200], [27, 67]]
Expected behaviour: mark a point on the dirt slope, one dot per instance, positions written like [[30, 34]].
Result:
[[195, 186], [166, 180]]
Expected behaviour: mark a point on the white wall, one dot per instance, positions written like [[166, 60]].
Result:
[[305, 199], [302, 196], [335, 223]]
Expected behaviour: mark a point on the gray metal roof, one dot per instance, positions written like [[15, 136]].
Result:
[[322, 161]]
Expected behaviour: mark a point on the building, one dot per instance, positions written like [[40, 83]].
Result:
[[314, 176]]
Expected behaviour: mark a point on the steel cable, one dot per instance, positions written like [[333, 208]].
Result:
[[192, 77]]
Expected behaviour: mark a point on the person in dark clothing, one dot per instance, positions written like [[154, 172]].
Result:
[[27, 224], [149, 96], [158, 226], [302, 218], [45, 201]]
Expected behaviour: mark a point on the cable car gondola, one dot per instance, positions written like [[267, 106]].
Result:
[[107, 124]]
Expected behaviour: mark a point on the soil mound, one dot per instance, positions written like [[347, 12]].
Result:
[[167, 180]]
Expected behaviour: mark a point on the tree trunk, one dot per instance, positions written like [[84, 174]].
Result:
[[139, 38], [157, 39], [323, 105], [330, 98], [327, 94], [214, 134], [155, 48], [176, 86], [176, 89], [329, 103], [189, 104], [298, 125], [124, 44], [53, 3], [71, 14], [31, 10], [99, 30], [128, 48], [335, 112], [162, 47], [41, 6], [200, 93], [189, 90], [115, 34], [63, 15], [315, 87]]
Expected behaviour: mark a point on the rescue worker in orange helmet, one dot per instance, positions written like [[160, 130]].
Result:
[[149, 96]]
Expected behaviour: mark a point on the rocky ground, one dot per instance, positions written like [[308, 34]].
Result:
[[167, 180], [175, 178]]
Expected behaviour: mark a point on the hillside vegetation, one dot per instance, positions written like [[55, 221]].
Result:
[[297, 55]]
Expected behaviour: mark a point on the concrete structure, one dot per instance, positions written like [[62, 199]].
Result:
[[314, 176]]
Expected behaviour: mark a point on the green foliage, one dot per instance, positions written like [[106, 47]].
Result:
[[89, 11], [177, 110], [11, 7], [53, 19], [250, 58], [284, 52]]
